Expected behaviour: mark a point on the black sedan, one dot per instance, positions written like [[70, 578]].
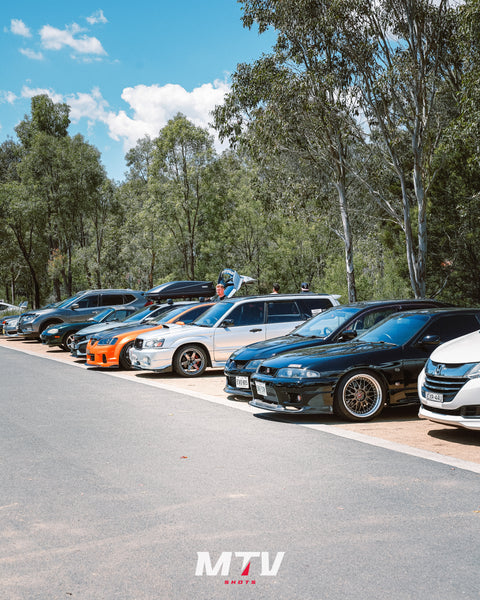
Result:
[[356, 379], [337, 324]]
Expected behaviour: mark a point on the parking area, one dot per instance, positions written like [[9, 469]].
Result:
[[398, 426]]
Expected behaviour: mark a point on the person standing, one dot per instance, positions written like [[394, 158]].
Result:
[[220, 289], [305, 287], [276, 288]]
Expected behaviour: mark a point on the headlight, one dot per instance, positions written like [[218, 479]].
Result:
[[294, 373], [474, 372], [29, 318], [52, 330], [253, 364], [108, 341], [153, 343]]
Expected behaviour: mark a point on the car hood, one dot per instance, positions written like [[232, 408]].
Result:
[[311, 357], [172, 328], [120, 329], [278, 345], [465, 349]]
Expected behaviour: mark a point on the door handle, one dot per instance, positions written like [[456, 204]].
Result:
[[255, 330]]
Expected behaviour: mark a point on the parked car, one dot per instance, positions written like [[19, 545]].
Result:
[[63, 334], [9, 325], [145, 315], [112, 348], [449, 385], [5, 307], [356, 379], [78, 308], [337, 324], [226, 326]]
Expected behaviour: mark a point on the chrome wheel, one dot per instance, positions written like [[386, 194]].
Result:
[[360, 397], [68, 342], [190, 361]]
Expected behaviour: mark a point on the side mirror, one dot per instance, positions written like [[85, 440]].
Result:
[[347, 335], [74, 307], [430, 341], [227, 323]]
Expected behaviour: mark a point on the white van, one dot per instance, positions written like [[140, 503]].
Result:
[[449, 385]]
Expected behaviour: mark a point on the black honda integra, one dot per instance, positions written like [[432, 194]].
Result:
[[356, 379], [337, 324]]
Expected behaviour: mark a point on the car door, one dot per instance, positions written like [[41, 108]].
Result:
[[85, 307], [445, 327], [282, 316], [243, 325]]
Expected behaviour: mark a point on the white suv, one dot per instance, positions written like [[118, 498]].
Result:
[[226, 326], [449, 385]]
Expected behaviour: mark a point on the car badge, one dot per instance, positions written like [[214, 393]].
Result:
[[439, 369]]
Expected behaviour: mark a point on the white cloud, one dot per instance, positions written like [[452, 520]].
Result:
[[31, 54], [18, 27], [151, 107], [30, 92], [8, 97], [97, 17], [56, 39]]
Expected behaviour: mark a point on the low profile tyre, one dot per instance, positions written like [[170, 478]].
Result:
[[360, 396], [67, 343], [190, 361], [124, 361]]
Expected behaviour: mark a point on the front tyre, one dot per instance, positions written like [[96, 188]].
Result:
[[67, 342], [124, 361], [360, 396], [190, 361]]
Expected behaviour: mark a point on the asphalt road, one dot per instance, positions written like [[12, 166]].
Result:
[[111, 487]]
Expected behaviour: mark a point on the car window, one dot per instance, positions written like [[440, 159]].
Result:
[[110, 299], [211, 317], [193, 313], [88, 301], [121, 314], [283, 311], [368, 320], [326, 322], [450, 327], [397, 329], [247, 313], [313, 306], [127, 298]]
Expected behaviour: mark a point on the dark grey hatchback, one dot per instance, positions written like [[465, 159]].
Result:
[[337, 324]]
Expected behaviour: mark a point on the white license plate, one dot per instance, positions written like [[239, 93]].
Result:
[[261, 388], [434, 397], [241, 382]]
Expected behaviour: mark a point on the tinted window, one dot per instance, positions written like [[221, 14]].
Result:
[[326, 322], [248, 313], [283, 311], [449, 327], [370, 319], [127, 298], [109, 299], [397, 329], [88, 301], [313, 306]]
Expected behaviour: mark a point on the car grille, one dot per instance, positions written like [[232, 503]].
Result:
[[448, 386], [267, 370], [138, 343]]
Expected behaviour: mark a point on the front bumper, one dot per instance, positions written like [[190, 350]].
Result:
[[151, 359], [238, 383], [463, 410], [293, 395], [101, 356]]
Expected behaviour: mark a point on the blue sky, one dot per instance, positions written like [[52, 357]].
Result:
[[125, 68]]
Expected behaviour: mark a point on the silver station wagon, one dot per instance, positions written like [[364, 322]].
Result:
[[226, 326]]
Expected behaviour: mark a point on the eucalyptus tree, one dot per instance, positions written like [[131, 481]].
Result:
[[402, 52], [297, 100], [183, 198]]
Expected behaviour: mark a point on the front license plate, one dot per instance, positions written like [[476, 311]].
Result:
[[434, 397], [261, 388], [241, 382]]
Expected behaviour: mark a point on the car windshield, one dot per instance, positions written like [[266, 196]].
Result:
[[211, 317], [139, 315], [98, 318], [326, 322], [168, 314], [396, 329]]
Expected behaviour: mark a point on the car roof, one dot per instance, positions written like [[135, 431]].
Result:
[[437, 311], [299, 295], [413, 301]]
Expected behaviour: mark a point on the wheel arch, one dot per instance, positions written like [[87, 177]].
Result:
[[193, 343], [372, 370]]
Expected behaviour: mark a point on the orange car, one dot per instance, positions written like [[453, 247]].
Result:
[[112, 347]]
